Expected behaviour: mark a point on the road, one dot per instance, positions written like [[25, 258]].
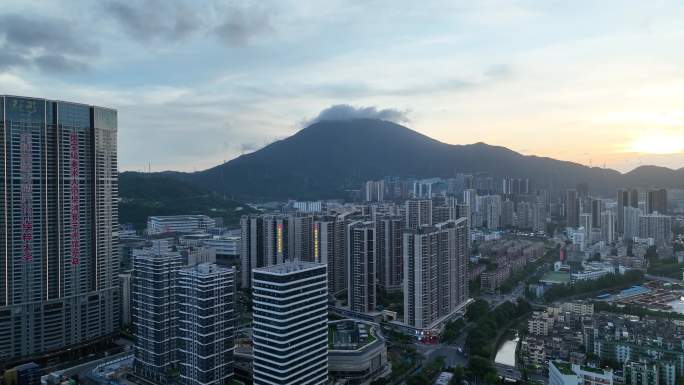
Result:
[[452, 357], [497, 299]]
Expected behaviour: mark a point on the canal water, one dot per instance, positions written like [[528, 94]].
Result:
[[506, 353]]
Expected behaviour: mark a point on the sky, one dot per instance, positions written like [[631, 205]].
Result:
[[197, 83]]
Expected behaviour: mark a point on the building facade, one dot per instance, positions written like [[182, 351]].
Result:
[[155, 310], [361, 266], [59, 190], [206, 324], [435, 272], [179, 224], [290, 329]]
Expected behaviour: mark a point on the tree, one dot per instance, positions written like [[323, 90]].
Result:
[[459, 374], [477, 309], [418, 379], [480, 367]]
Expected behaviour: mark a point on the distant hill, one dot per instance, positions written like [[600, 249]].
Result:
[[327, 158], [143, 195]]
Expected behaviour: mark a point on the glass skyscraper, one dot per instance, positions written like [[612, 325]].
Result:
[[58, 225]]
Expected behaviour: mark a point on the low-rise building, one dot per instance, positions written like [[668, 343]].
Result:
[[565, 373], [179, 224], [356, 352], [540, 323]]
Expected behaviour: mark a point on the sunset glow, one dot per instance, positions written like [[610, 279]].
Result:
[[657, 144]]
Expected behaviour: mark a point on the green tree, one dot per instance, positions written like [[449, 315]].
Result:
[[459, 374], [477, 309]]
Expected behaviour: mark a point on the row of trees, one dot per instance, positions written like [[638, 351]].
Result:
[[482, 338]]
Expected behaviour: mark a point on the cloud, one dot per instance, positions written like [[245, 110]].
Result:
[[51, 45], [240, 25], [157, 20], [348, 112], [151, 20]]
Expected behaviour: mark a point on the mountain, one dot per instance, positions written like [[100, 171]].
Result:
[[327, 158], [143, 195]]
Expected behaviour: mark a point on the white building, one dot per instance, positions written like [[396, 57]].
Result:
[[225, 246], [290, 329], [206, 324], [179, 224], [308, 206], [564, 373], [540, 323], [656, 226], [608, 226], [593, 271], [435, 273], [631, 217]]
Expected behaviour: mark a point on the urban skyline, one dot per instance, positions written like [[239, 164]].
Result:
[[357, 193], [458, 81]]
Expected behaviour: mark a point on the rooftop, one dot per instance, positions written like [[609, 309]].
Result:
[[563, 367], [556, 277], [288, 267], [350, 334]]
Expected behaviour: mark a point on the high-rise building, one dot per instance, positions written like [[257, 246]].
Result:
[[634, 198], [418, 213], [361, 266], [622, 202], [507, 213], [469, 198], [608, 226], [125, 283], [631, 225], [488, 207], [330, 234], [435, 272], [572, 208], [596, 209], [539, 215], [301, 238], [657, 201], [389, 231], [374, 191], [59, 273], [155, 310], [265, 241], [205, 296], [290, 329], [656, 226], [585, 223], [523, 215]]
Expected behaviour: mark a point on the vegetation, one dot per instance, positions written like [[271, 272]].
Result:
[[530, 270], [428, 374], [459, 375], [665, 267], [612, 281], [403, 359], [145, 195], [452, 330], [390, 300], [482, 338]]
